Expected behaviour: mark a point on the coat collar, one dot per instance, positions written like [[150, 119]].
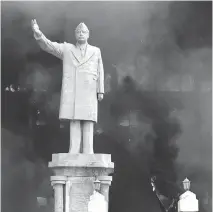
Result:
[[76, 53]]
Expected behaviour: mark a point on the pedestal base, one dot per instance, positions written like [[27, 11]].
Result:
[[188, 202], [74, 176]]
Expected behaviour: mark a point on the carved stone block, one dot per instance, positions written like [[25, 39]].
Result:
[[79, 171]]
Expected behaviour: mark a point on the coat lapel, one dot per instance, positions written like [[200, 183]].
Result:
[[77, 54], [89, 53]]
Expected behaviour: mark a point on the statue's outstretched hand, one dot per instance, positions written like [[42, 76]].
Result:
[[35, 28]]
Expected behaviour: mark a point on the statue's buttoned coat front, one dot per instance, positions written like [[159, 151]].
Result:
[[83, 79]]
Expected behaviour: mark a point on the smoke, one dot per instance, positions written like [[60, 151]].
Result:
[[44, 84], [147, 117], [177, 56], [161, 46], [23, 173]]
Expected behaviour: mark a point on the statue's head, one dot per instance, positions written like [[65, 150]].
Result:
[[82, 33]]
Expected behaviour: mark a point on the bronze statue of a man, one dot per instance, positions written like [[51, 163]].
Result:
[[82, 85]]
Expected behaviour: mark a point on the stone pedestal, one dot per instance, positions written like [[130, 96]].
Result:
[[74, 176]]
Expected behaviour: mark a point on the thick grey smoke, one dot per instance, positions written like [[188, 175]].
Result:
[[24, 176], [161, 45]]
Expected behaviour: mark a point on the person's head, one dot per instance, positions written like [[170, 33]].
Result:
[[82, 33]]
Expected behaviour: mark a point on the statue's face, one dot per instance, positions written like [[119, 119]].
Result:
[[82, 35]]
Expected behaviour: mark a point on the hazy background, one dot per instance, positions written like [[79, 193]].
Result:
[[155, 118]]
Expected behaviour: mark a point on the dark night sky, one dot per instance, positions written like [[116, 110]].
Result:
[[158, 44]]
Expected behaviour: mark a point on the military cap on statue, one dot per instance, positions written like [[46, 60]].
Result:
[[82, 26]]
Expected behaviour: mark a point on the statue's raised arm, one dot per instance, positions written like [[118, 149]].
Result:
[[53, 48]]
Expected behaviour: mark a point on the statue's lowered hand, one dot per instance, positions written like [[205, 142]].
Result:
[[35, 28], [100, 96]]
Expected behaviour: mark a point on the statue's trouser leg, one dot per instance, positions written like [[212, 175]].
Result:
[[75, 136], [88, 127]]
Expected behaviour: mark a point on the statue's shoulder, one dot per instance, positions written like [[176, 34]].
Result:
[[95, 48], [70, 45]]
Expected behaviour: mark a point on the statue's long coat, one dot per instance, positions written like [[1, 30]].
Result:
[[83, 79]]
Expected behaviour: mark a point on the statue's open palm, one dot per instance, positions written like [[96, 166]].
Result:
[[35, 27]]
